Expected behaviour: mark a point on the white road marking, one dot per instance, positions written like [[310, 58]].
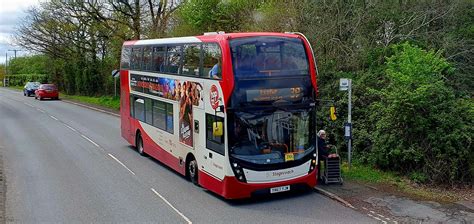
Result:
[[28, 104], [74, 130], [377, 218], [53, 117], [42, 111], [176, 210], [88, 139], [118, 161]]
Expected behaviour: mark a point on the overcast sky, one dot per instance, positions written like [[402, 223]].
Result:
[[11, 13]]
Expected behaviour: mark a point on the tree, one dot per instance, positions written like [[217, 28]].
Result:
[[199, 16]]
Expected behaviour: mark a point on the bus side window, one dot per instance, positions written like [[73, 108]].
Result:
[[139, 108], [147, 59], [148, 114], [125, 59], [173, 59], [191, 60], [214, 143], [212, 61], [163, 116], [158, 61], [132, 99], [136, 58]]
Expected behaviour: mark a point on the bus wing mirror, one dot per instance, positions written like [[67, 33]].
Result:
[[217, 129], [219, 109]]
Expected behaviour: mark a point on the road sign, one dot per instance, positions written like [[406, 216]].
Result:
[[347, 131], [343, 84], [115, 73]]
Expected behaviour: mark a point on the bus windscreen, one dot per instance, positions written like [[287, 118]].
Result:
[[267, 56], [269, 137]]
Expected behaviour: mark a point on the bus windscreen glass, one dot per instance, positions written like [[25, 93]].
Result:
[[268, 56], [272, 136]]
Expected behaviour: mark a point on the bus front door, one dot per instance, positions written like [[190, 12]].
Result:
[[214, 149]]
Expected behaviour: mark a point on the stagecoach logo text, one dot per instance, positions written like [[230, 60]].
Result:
[[280, 173]]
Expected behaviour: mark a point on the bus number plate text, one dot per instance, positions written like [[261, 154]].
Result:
[[279, 189]]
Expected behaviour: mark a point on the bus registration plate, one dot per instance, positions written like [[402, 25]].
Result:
[[279, 189]]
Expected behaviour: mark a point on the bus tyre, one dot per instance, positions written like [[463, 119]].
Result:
[[140, 148], [193, 171]]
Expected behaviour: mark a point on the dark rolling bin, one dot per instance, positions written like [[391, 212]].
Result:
[[332, 170]]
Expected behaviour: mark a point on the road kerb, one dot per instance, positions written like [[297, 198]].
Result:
[[334, 197]]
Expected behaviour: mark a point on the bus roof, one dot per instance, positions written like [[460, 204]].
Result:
[[205, 38]]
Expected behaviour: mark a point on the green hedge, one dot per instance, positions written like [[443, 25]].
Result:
[[22, 79]]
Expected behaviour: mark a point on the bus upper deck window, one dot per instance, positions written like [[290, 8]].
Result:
[[191, 60], [158, 61], [125, 59], [212, 61]]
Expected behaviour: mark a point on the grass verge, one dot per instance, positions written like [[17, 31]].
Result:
[[16, 87], [395, 183], [109, 102]]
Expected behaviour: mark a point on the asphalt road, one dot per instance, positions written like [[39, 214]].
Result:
[[65, 163]]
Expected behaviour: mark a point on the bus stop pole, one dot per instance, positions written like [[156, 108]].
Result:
[[349, 120]]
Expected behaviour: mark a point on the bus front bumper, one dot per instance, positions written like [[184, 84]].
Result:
[[231, 188]]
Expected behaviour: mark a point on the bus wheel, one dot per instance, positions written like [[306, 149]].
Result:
[[139, 144], [193, 170]]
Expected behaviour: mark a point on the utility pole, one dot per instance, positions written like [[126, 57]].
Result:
[[14, 50], [6, 64], [5, 80]]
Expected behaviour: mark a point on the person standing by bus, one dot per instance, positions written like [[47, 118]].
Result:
[[323, 149]]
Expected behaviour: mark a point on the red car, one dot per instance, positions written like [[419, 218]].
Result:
[[47, 91]]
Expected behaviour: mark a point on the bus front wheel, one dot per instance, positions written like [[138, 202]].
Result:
[[193, 170], [139, 144]]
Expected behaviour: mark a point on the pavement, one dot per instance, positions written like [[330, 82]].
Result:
[[390, 207]]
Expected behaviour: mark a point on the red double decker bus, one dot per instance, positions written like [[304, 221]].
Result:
[[233, 112]]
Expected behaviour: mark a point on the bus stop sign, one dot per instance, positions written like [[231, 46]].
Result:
[[343, 84]]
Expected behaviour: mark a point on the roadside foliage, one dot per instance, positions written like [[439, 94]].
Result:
[[410, 62]]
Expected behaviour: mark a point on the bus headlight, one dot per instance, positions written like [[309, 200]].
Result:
[[238, 172], [312, 165]]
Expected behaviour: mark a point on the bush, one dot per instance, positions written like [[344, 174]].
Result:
[[419, 124]]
